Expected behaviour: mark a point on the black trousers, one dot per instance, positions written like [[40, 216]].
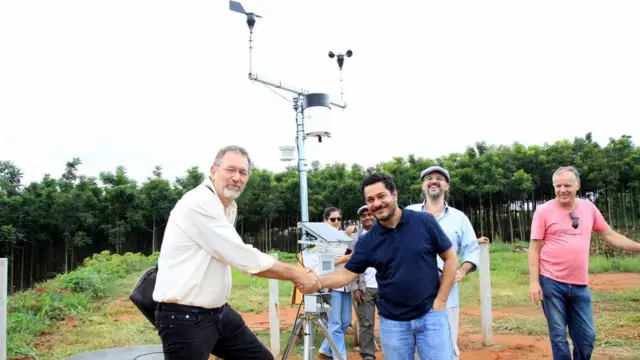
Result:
[[193, 333]]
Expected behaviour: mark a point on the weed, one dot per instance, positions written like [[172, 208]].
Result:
[[73, 294], [95, 294]]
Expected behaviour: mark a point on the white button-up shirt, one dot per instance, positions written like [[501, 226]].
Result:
[[199, 248], [458, 228]]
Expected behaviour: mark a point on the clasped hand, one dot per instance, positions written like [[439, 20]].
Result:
[[308, 281]]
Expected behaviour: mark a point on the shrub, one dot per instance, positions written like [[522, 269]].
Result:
[[34, 311]]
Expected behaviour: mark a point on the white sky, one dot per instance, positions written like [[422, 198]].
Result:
[[165, 82]]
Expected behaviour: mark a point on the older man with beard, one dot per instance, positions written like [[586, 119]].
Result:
[[199, 248], [435, 185], [403, 247]]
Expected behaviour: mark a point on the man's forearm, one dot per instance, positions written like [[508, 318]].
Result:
[[534, 261], [467, 267], [281, 271], [338, 278], [448, 278], [621, 242]]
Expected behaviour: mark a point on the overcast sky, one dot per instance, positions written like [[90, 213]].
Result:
[[141, 83]]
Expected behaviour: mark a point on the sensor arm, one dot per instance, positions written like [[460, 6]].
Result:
[[286, 87]]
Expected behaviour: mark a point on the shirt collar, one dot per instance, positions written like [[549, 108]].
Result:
[[444, 212], [208, 182], [446, 206], [404, 218]]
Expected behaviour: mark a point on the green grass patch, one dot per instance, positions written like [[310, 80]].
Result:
[[113, 322], [251, 294], [68, 295], [96, 297]]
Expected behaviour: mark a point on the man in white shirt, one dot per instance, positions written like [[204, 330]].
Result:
[[435, 186], [199, 248], [366, 294]]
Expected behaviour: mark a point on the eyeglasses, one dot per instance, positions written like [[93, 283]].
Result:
[[575, 218], [335, 219]]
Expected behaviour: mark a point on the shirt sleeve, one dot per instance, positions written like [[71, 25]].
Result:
[[439, 238], [359, 261], [217, 236], [360, 282], [599, 223], [469, 249], [538, 225]]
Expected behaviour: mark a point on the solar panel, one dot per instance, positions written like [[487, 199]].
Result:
[[325, 232]]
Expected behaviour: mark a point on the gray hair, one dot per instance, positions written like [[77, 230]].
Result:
[[232, 148], [562, 169]]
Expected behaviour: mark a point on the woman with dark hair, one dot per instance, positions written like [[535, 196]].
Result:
[[339, 317]]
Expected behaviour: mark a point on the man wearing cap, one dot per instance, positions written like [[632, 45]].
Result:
[[435, 184], [366, 294]]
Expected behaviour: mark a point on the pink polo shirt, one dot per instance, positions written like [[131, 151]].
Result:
[[564, 255]]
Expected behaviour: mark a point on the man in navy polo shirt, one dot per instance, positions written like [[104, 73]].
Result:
[[403, 247]]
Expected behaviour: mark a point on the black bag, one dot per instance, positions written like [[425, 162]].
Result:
[[142, 294]]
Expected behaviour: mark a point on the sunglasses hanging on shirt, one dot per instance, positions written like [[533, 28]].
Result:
[[575, 219]]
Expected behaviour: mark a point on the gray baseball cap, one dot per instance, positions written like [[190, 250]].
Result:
[[432, 169], [362, 208]]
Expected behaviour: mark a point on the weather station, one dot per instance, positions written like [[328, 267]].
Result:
[[318, 105]]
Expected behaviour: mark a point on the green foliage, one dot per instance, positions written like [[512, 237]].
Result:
[[47, 227], [617, 320], [73, 294], [285, 256]]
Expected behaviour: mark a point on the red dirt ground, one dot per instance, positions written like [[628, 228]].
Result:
[[505, 346], [613, 282]]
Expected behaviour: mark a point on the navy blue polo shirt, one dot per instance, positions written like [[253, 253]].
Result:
[[405, 258]]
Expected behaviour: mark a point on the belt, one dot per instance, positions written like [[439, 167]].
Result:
[[196, 309]]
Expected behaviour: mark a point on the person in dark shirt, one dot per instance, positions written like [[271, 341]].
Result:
[[403, 246]]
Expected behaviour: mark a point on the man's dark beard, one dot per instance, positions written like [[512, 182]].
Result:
[[391, 213], [426, 195]]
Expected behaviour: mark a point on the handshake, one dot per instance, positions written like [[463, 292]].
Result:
[[307, 281]]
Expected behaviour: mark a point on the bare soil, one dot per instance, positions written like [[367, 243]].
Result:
[[470, 343]]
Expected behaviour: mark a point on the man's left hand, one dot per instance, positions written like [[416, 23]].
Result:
[[459, 275], [308, 282], [350, 230], [439, 305]]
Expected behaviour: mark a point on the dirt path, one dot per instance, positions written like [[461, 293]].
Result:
[[613, 282]]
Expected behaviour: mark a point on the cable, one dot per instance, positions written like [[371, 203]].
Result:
[[277, 93], [300, 252], [294, 324], [155, 352], [301, 262]]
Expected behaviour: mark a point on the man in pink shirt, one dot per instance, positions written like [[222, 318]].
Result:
[[559, 264]]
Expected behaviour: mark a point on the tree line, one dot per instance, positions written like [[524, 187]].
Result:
[[50, 226]]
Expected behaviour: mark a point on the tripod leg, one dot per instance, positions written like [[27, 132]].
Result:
[[324, 326], [308, 339], [294, 337]]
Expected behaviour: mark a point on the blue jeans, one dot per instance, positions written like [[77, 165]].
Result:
[[339, 320], [429, 333], [568, 305]]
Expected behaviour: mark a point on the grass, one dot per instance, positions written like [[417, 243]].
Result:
[[112, 323], [37, 311], [89, 309], [617, 319], [251, 294]]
